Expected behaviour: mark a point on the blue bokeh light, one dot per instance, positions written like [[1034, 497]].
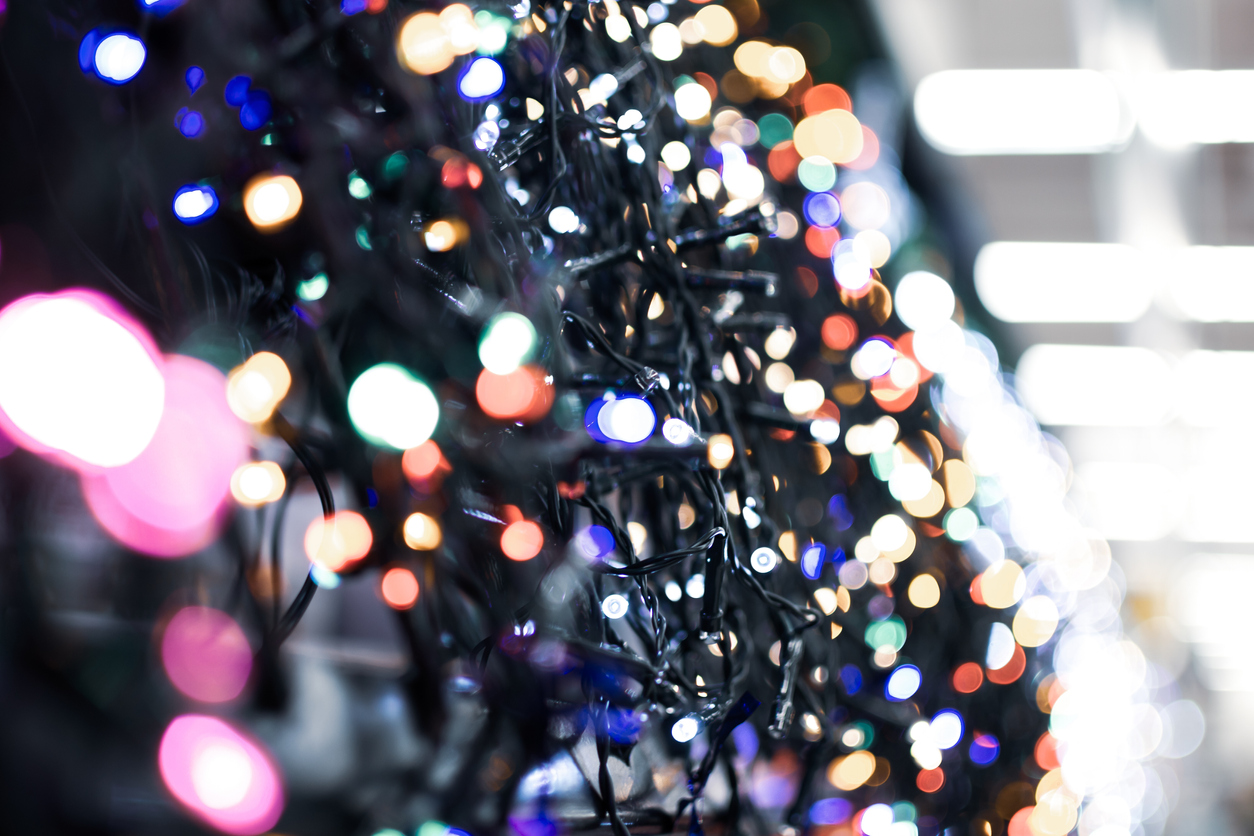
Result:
[[256, 110], [903, 683], [481, 79], [822, 209], [194, 77], [191, 123], [236, 91], [984, 749], [195, 203], [812, 560]]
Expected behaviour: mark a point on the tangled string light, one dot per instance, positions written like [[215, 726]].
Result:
[[650, 479]]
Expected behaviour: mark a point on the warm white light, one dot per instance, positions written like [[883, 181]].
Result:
[[390, 407], [889, 533], [1021, 112], [75, 380], [803, 396], [693, 102], [676, 156], [1094, 385], [924, 300], [666, 42], [1020, 281]]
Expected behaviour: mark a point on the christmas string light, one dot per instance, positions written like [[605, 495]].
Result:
[[653, 486]]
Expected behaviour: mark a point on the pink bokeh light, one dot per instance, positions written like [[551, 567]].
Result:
[[224, 778], [206, 654], [171, 500], [102, 391]]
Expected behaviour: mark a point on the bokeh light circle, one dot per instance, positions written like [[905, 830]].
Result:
[[223, 777], [206, 655]]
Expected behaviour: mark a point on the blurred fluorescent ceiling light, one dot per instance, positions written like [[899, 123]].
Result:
[[971, 112], [1022, 281], [1213, 389], [1211, 284], [1221, 499], [1130, 500], [1175, 109], [1095, 385]]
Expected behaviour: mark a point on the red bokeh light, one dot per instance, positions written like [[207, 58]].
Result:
[[968, 677], [399, 588], [825, 97], [522, 540], [839, 332]]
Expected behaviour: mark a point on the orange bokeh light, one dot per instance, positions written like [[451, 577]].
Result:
[[870, 151], [337, 541], [458, 171], [931, 780], [890, 397], [839, 332], [968, 677], [399, 588], [807, 282], [826, 97], [1046, 752], [423, 461], [1019, 825], [522, 395], [821, 240], [522, 540], [1012, 669], [783, 161]]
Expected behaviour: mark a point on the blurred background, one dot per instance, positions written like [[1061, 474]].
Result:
[[1094, 163]]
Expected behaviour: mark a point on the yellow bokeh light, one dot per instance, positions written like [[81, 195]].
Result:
[[843, 601], [459, 25], [778, 377], [254, 389], [929, 506], [788, 545], [852, 771], [1002, 584], [693, 102], [256, 483], [534, 109], [959, 482], [441, 237], [784, 65], [924, 592], [666, 41], [721, 450], [337, 541], [826, 599], [271, 201], [618, 28], [882, 570], [1036, 621], [422, 532], [750, 58], [834, 134], [424, 46], [877, 246], [717, 24]]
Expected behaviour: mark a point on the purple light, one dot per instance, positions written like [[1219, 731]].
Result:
[[194, 77], [822, 209], [829, 811], [984, 749]]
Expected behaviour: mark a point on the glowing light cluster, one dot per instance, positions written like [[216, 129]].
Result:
[[428, 42], [336, 542], [257, 387]]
